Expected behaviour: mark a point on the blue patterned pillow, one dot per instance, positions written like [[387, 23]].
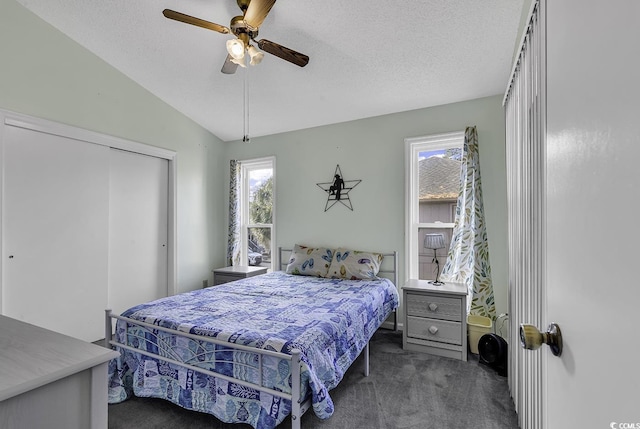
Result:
[[309, 261], [354, 264]]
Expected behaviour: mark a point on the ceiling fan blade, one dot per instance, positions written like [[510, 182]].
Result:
[[257, 12], [178, 16], [229, 67], [285, 53]]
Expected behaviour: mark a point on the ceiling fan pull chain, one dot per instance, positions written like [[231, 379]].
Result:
[[245, 133]]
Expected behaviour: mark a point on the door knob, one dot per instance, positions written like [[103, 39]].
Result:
[[531, 338]]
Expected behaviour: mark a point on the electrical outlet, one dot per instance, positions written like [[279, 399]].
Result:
[[205, 283]]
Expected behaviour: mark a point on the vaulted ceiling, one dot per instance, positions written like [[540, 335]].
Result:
[[367, 57]]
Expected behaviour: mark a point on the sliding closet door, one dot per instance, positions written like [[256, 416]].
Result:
[[138, 202], [54, 230]]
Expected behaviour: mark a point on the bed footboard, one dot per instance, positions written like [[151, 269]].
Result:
[[219, 353]]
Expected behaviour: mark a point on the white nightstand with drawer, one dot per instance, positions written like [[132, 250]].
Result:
[[435, 318], [229, 274]]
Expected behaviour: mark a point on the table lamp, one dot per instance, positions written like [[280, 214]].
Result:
[[435, 242]]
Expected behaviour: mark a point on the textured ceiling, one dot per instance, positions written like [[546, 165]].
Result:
[[367, 57]]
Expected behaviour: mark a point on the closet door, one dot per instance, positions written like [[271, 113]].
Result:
[[138, 203], [55, 243]]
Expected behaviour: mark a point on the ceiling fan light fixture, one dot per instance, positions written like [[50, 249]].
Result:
[[240, 62], [245, 27], [235, 47], [255, 55]]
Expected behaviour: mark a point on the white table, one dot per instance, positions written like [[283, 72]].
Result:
[[50, 380], [435, 318]]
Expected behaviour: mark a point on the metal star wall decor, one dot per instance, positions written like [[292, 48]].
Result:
[[338, 190]]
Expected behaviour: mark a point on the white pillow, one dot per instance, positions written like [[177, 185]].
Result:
[[309, 261], [354, 264]]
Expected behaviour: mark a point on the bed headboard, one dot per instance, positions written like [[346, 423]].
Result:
[[388, 269]]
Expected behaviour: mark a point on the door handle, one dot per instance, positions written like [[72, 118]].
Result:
[[531, 338]]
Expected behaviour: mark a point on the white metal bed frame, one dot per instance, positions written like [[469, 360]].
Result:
[[298, 406]]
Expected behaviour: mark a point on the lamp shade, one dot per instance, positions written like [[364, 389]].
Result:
[[235, 47], [240, 61], [434, 241], [255, 55]]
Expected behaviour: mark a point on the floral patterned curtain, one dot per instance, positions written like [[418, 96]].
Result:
[[233, 240], [468, 257]]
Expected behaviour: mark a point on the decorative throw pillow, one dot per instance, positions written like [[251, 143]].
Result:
[[309, 261], [354, 264]]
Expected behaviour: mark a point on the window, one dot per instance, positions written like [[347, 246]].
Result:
[[257, 208], [432, 187]]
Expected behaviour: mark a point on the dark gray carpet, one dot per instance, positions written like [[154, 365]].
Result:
[[403, 390]]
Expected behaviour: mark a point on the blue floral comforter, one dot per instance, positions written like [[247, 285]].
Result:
[[329, 320]]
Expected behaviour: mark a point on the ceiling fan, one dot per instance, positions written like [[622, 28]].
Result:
[[245, 28]]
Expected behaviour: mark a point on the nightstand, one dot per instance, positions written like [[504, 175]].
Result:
[[229, 274], [435, 318]]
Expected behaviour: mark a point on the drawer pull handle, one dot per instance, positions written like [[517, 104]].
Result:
[[433, 330], [433, 307]]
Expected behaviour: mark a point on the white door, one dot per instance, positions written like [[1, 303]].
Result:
[[138, 203], [593, 206], [54, 232]]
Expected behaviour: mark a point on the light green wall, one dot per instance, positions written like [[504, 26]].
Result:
[[45, 74], [373, 150]]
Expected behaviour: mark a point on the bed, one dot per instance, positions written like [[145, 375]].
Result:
[[259, 349]]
